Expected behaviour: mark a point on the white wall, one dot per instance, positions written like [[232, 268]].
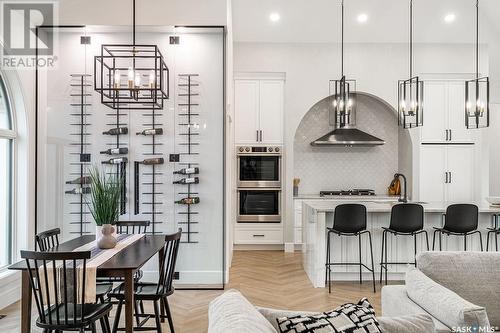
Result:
[[91, 12], [309, 67], [149, 12]]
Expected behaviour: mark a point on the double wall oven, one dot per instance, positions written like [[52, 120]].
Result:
[[259, 184]]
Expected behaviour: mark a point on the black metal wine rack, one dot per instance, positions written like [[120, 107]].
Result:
[[117, 119], [188, 144], [154, 122], [80, 85]]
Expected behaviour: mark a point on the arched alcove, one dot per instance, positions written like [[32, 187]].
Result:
[[329, 168]]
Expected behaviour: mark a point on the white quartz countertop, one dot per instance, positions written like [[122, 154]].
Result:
[[347, 197], [385, 206]]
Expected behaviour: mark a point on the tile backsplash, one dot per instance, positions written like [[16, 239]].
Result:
[[332, 168]]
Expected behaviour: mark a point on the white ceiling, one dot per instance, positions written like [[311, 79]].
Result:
[[319, 21]]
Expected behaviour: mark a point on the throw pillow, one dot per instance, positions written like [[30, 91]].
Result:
[[347, 318]]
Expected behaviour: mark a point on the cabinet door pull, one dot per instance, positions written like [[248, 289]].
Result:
[[258, 235], [257, 139], [450, 140], [260, 135], [446, 131], [446, 177], [450, 178]]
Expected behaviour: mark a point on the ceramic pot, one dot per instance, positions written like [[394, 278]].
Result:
[[107, 240]]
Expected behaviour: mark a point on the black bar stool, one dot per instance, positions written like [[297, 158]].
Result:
[[459, 220], [408, 220], [348, 220], [495, 231]]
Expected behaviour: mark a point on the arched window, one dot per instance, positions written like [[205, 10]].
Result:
[[7, 142]]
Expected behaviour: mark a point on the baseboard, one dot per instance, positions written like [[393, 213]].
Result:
[[258, 247], [367, 277], [189, 277], [289, 247]]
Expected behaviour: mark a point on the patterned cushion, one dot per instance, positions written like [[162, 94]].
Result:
[[347, 318]]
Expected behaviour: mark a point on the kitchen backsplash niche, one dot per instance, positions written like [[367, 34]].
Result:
[[334, 168]]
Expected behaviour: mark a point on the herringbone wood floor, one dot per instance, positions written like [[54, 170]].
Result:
[[267, 278]]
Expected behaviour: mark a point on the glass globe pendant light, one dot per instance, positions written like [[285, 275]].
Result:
[[411, 92], [477, 92]]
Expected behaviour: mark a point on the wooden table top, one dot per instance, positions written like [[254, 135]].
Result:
[[132, 257]]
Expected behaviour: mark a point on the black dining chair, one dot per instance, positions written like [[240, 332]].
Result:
[[407, 219], [49, 239], [459, 220], [158, 292], [132, 227], [59, 293], [128, 227], [494, 232], [348, 220]]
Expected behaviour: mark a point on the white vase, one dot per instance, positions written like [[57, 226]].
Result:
[[98, 233]]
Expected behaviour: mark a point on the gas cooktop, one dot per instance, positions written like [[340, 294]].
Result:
[[347, 192]]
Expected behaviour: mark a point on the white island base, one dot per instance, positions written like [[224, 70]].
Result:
[[318, 214]]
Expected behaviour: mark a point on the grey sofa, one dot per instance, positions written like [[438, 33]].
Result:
[[458, 289], [232, 312]]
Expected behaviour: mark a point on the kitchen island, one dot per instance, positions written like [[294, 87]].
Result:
[[318, 214]]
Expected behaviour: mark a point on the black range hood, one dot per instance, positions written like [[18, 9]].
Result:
[[347, 137]]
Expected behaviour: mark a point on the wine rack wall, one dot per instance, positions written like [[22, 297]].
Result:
[[117, 133], [77, 187], [171, 159], [188, 145], [153, 158]]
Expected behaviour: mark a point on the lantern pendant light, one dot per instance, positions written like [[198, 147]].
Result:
[[131, 76], [411, 92], [477, 92], [343, 92]]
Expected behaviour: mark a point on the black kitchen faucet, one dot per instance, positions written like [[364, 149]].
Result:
[[405, 198]]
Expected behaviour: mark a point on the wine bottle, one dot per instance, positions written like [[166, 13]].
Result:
[[80, 180], [117, 160], [82, 190], [115, 151], [151, 131], [116, 131], [190, 180], [188, 201], [153, 161], [187, 171]]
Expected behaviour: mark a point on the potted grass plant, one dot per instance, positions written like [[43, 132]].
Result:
[[104, 206]]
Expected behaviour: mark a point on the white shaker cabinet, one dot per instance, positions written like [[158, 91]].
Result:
[[246, 103], [447, 173], [435, 113], [258, 111], [444, 103]]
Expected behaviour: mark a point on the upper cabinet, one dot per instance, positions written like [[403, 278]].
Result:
[[444, 120], [258, 105]]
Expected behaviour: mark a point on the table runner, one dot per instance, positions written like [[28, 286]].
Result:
[[98, 257]]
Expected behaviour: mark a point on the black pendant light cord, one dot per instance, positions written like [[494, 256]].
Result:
[[342, 42], [133, 22], [477, 39], [411, 39]]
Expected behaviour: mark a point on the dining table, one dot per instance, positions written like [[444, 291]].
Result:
[[122, 265]]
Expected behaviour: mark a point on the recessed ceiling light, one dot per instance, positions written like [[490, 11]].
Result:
[[274, 17], [362, 18], [448, 18]]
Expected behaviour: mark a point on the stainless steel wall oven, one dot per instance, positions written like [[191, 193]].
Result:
[[259, 184], [259, 166]]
